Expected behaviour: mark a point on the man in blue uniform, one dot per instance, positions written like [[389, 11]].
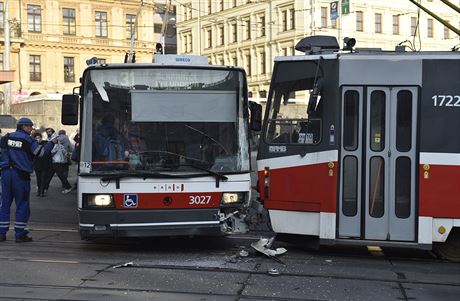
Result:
[[18, 150]]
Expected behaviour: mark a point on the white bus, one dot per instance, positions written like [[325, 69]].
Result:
[[164, 148]]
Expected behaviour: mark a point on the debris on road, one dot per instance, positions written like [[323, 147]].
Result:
[[125, 265], [273, 272], [263, 246], [244, 253]]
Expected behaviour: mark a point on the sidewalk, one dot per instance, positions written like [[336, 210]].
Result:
[[56, 209]]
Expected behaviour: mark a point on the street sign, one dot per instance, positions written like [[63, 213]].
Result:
[[345, 7], [334, 10]]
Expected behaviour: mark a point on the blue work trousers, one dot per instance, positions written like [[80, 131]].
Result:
[[14, 187]]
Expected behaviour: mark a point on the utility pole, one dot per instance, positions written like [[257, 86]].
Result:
[[199, 27], [165, 26], [6, 35], [133, 34]]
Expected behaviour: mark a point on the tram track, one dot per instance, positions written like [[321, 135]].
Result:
[[102, 256], [111, 264], [143, 290]]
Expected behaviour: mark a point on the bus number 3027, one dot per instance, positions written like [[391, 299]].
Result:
[[199, 199]]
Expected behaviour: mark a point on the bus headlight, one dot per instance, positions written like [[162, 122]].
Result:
[[233, 197], [98, 201]]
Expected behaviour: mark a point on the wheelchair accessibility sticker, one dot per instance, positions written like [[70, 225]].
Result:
[[130, 200]]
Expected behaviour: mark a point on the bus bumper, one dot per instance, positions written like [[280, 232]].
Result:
[[148, 223]]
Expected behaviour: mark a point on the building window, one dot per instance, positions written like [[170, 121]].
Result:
[[1, 62], [185, 43], [190, 43], [209, 38], [34, 18], [430, 28], [446, 33], [35, 74], [323, 17], [101, 24], [2, 16], [234, 3], [221, 6], [292, 18], [209, 6], [248, 64], [395, 24], [157, 28], [221, 35], [262, 26], [284, 20], [69, 69], [262, 58], [284, 51], [248, 29], [359, 21], [378, 23], [234, 60], [234, 33], [131, 26], [413, 26], [68, 20]]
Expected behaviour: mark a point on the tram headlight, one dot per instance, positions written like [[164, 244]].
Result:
[[98, 201], [233, 197]]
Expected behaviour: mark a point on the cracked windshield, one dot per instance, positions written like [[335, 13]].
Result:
[[154, 120]]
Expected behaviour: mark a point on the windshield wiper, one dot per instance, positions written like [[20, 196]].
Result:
[[218, 176], [138, 174]]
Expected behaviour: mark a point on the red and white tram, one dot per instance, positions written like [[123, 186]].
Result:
[[164, 148], [362, 147]]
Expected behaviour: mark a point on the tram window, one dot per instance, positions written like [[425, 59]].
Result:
[[377, 121], [288, 123], [376, 187], [403, 187], [350, 120], [350, 189], [404, 121]]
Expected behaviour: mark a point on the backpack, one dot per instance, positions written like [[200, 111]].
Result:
[[114, 149]]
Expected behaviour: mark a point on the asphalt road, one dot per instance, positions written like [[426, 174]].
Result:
[[57, 265]]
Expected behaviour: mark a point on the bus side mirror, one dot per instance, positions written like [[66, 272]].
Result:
[[69, 109], [256, 116]]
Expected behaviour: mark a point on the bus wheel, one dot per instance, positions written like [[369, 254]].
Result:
[[450, 249]]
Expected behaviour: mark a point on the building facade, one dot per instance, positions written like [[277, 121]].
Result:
[[51, 40], [250, 33]]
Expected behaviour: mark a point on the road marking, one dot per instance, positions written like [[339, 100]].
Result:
[[53, 230], [53, 261]]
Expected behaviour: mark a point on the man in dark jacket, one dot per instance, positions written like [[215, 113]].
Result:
[[42, 165], [16, 163]]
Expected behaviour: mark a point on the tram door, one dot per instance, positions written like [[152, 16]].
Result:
[[378, 163]]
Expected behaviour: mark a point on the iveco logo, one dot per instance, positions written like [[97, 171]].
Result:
[[183, 59]]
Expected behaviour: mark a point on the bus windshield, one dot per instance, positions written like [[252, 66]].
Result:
[[164, 119]]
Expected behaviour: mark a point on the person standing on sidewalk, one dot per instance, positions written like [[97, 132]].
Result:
[[42, 165], [61, 164], [16, 163]]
